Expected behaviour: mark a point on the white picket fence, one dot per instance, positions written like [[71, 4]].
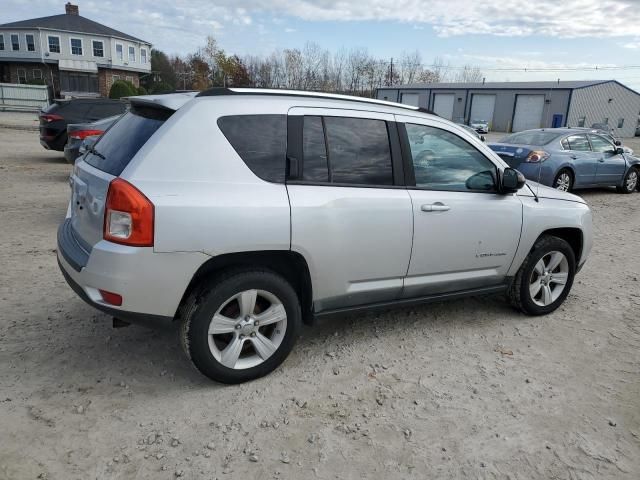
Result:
[[23, 97]]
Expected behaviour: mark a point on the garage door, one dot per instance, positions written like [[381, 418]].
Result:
[[482, 108], [410, 99], [528, 112], [443, 105]]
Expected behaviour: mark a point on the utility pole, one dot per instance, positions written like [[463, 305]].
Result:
[[391, 73]]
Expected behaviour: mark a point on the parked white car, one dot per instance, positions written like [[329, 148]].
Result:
[[242, 214]]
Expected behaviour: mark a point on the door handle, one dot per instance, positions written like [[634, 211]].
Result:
[[435, 207], [574, 157], [601, 160]]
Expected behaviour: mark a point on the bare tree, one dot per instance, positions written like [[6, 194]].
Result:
[[469, 74]]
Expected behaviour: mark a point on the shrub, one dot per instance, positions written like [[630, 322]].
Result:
[[121, 88], [142, 90]]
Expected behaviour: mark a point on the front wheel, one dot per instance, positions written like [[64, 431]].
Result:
[[242, 326], [563, 181], [545, 277], [630, 182]]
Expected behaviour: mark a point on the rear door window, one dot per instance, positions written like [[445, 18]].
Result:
[[115, 149], [260, 141], [579, 143]]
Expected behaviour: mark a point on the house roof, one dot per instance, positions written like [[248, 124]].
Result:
[[70, 23], [566, 84]]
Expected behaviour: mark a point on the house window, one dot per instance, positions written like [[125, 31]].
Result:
[[132, 54], [36, 73], [1, 41], [119, 52], [31, 44], [143, 55], [115, 78], [620, 122], [129, 79], [54, 44], [76, 46], [98, 48], [15, 42], [581, 121], [22, 75]]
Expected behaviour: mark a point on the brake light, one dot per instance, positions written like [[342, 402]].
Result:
[[537, 156], [82, 134], [50, 117], [128, 215], [111, 298]]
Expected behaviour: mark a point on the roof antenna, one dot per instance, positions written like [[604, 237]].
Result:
[[535, 194]]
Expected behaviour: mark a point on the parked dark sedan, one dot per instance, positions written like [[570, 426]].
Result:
[[55, 118], [78, 133], [568, 159]]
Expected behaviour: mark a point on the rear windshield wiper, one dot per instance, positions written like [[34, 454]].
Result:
[[92, 150]]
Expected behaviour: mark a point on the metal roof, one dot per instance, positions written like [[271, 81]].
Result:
[[70, 23], [566, 84]]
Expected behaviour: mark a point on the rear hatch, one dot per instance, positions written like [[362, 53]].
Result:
[[514, 155], [105, 161]]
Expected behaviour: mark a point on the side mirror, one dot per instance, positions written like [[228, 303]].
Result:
[[512, 181], [619, 150], [618, 143], [482, 138]]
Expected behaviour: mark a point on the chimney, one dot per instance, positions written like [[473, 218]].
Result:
[[71, 9]]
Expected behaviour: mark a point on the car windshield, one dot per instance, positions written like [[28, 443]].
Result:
[[531, 138]]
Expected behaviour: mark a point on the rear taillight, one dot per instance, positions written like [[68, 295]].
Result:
[[82, 134], [50, 117], [128, 215], [537, 156]]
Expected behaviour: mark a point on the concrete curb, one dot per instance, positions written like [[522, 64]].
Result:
[[19, 127]]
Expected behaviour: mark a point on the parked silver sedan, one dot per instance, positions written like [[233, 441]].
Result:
[[570, 158]]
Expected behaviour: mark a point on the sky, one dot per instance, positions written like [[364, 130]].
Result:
[[509, 34]]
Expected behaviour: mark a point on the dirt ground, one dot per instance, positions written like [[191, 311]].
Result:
[[465, 389]]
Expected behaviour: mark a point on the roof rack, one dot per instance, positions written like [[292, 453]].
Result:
[[222, 91]]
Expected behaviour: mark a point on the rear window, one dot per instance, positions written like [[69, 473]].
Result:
[[261, 142], [122, 141], [531, 138]]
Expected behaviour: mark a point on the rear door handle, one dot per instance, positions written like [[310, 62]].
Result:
[[574, 157], [435, 207]]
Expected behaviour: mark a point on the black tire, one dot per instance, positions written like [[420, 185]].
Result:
[[624, 188], [564, 171], [202, 305], [519, 293]]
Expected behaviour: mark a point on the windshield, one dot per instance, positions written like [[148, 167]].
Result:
[[120, 143], [534, 137]]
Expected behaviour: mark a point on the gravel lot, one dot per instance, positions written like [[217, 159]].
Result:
[[466, 389]]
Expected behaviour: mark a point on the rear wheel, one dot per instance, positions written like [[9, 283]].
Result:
[[630, 182], [545, 277], [242, 327], [563, 181]]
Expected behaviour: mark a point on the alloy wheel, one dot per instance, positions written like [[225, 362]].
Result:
[[563, 182], [632, 180], [247, 329], [549, 278]]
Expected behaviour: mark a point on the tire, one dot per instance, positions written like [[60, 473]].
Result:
[[563, 180], [530, 275], [631, 181], [222, 298]]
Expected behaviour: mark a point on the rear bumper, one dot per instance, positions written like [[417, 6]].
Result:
[[151, 284], [71, 152]]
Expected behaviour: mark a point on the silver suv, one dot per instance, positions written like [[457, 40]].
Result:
[[242, 214]]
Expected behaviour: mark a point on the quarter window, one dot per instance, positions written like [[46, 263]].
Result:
[[15, 42], [31, 45], [132, 54], [54, 44], [98, 48], [599, 144], [76, 46], [444, 161], [260, 141], [579, 143]]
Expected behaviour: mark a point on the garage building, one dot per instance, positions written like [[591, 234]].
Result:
[[517, 106]]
